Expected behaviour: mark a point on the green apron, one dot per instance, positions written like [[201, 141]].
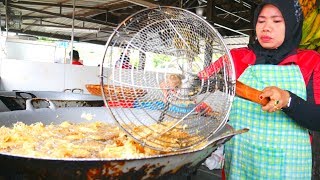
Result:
[[275, 146]]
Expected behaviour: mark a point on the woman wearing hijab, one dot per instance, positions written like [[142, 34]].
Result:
[[277, 145]]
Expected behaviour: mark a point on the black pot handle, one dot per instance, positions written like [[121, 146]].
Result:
[[30, 107], [18, 94], [66, 90], [79, 91]]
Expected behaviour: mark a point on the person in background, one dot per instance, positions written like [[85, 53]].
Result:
[[124, 61], [277, 145], [76, 58]]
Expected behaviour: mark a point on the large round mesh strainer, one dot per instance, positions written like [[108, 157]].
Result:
[[149, 78]]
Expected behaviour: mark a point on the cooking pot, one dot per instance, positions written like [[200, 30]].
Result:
[[16, 100], [159, 166]]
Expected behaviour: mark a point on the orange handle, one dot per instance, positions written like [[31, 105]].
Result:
[[250, 93]]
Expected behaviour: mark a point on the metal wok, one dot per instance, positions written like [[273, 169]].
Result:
[[161, 166], [16, 100]]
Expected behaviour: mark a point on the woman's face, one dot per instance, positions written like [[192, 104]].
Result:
[[270, 27]]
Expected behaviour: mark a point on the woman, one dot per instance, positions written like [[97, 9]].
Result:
[[277, 145]]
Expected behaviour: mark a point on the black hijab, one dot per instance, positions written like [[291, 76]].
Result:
[[292, 14]]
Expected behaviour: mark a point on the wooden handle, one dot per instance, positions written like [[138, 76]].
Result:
[[250, 93]]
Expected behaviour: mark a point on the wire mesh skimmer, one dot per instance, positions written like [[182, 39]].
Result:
[[149, 78]]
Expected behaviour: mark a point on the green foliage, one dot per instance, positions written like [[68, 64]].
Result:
[[46, 39], [159, 60]]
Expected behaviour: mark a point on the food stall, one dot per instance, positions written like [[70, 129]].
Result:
[[43, 76]]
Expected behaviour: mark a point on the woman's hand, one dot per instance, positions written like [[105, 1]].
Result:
[[278, 98]]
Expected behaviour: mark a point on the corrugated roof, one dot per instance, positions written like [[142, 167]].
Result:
[[95, 20]]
